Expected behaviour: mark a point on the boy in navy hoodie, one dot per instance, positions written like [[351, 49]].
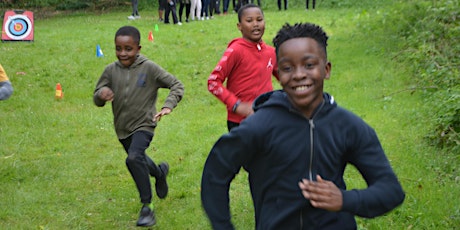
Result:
[[295, 148], [131, 84]]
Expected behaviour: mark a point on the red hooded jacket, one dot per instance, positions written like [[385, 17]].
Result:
[[247, 67]]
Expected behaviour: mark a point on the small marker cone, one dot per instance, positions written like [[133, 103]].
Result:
[[59, 94], [150, 36], [156, 27], [99, 51]]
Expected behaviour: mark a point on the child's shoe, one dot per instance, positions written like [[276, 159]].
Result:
[[161, 185], [146, 217]]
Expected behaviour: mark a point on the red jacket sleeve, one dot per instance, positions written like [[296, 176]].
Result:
[[219, 75]]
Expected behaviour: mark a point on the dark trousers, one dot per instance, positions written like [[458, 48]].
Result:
[[308, 1], [214, 7], [139, 164], [205, 8], [181, 10], [171, 9], [285, 4]]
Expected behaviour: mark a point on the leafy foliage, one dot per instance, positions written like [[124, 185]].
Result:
[[429, 31]]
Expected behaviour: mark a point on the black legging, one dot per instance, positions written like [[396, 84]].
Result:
[[187, 10], [285, 4], [314, 3]]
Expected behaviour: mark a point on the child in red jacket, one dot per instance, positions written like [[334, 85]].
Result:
[[247, 65]]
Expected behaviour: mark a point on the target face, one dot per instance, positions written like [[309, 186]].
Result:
[[18, 26]]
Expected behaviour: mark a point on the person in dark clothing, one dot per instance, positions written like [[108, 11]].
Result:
[[187, 5], [296, 147], [285, 4], [307, 3], [171, 8]]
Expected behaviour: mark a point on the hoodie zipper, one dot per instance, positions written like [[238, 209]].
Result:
[[312, 127], [310, 166]]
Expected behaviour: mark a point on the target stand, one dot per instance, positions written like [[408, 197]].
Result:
[[18, 25]]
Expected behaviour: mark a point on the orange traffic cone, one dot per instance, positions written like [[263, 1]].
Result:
[[59, 94], [150, 36]]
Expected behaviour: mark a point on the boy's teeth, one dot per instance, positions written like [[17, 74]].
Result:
[[304, 87]]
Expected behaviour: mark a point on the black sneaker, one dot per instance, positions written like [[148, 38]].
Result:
[[146, 217], [161, 186]]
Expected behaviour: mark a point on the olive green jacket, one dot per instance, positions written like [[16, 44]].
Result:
[[135, 91]]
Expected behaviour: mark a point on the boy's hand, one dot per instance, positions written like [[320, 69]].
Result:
[[322, 194], [164, 111], [244, 109], [106, 94]]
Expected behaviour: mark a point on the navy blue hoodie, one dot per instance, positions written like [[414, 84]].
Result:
[[278, 146]]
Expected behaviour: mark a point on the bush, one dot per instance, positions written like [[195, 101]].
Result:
[[430, 30]]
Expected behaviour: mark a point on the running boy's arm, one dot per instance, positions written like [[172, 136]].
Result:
[[217, 78], [103, 92], [176, 90]]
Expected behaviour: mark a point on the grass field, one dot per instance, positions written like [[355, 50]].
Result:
[[61, 166]]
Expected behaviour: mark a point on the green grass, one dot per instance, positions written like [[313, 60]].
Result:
[[61, 166]]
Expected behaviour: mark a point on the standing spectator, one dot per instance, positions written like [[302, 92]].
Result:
[[135, 14], [6, 89], [247, 66], [195, 10], [205, 9], [285, 4], [225, 4], [186, 4], [296, 148], [131, 85], [162, 4], [171, 8], [313, 6], [215, 5]]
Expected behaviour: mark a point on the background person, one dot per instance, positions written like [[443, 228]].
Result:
[[246, 66], [135, 14], [6, 88], [131, 84]]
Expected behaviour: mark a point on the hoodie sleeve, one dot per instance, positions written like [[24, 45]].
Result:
[[104, 81], [228, 155], [384, 192], [169, 81], [220, 74]]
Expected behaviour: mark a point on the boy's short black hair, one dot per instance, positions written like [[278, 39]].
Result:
[[129, 31], [301, 30], [247, 6]]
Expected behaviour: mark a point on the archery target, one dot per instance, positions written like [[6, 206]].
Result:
[[18, 27]]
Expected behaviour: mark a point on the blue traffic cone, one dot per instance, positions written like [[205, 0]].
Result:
[[99, 51]]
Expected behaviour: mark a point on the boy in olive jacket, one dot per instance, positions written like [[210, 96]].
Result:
[[132, 84]]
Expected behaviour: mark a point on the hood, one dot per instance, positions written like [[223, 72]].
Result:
[[139, 60], [279, 98], [243, 42]]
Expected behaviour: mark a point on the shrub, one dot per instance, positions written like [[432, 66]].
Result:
[[429, 31]]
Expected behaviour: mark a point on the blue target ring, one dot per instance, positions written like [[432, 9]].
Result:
[[18, 27]]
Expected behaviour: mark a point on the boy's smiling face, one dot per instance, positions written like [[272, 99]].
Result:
[[126, 49], [303, 66]]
